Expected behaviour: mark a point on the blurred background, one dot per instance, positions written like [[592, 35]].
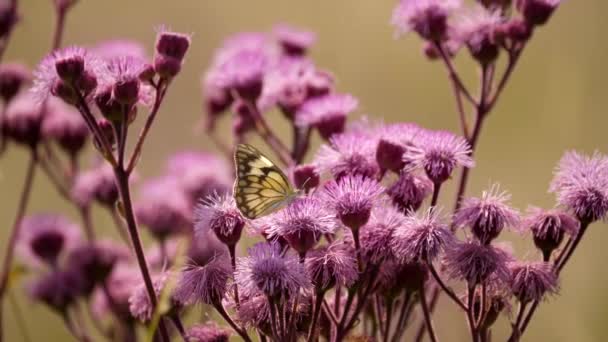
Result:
[[555, 101]]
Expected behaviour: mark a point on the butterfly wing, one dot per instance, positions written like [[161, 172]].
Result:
[[260, 186]]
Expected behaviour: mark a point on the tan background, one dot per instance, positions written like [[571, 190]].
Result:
[[556, 101]]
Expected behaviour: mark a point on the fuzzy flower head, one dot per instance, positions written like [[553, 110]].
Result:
[[120, 85], [439, 154], [219, 214], [532, 281], [45, 237], [332, 265], [306, 176], [377, 235], [54, 289], [421, 238], [393, 141], [294, 41], [581, 185], [244, 73], [64, 125], [350, 153], [327, 113], [208, 332], [121, 283], [428, 18], [477, 263], [537, 12], [409, 191], [352, 199], [480, 30], [549, 227], [302, 223], [65, 72], [96, 184], [23, 119], [269, 271], [170, 50], [139, 302], [13, 76], [488, 215], [204, 283]]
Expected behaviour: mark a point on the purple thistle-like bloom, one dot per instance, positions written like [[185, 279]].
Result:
[[428, 18], [269, 271], [421, 238], [111, 49], [54, 289], [44, 237], [306, 176], [537, 12], [488, 215], [377, 235], [393, 141], [13, 76], [220, 215], [139, 302], [163, 210], [409, 191], [204, 283], [439, 154], [477, 263], [208, 332], [332, 265], [171, 48], [23, 120], [532, 281], [350, 153], [244, 72], [65, 125], [302, 223], [255, 312], [352, 198], [121, 283], [327, 113], [549, 227], [479, 29], [581, 185], [294, 41], [120, 84], [97, 184]]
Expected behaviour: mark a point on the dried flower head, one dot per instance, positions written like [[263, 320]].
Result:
[[269, 271], [409, 191], [332, 265], [350, 153], [532, 281], [428, 18], [208, 332], [219, 214], [581, 185], [171, 48], [327, 113], [549, 227], [488, 215], [204, 283], [477, 263], [421, 238], [44, 237]]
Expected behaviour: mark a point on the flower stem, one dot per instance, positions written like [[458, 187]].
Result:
[[59, 28], [444, 287], [406, 310], [316, 310], [232, 251], [471, 315], [427, 315]]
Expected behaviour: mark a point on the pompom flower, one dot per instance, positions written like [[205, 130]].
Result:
[[532, 281], [409, 191], [581, 185], [438, 154], [54, 289], [393, 141], [139, 302], [204, 283], [171, 48], [537, 12], [350, 153], [479, 30], [269, 271], [488, 215], [294, 41], [64, 125], [332, 265], [208, 332], [352, 199], [549, 227], [220, 215], [23, 119], [13, 76], [477, 263], [377, 235], [327, 113], [428, 18], [421, 238], [97, 184]]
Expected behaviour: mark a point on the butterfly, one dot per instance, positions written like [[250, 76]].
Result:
[[260, 187]]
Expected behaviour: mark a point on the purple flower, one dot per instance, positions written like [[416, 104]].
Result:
[[255, 312], [549, 227], [171, 48], [163, 210], [13, 76], [327, 113], [421, 238], [121, 283], [287, 85], [244, 72], [477, 263], [479, 29], [438, 154], [393, 141], [111, 49], [139, 302], [302, 223], [23, 120], [44, 237], [488, 215], [537, 12], [220, 215], [532, 281], [269, 271], [409, 191], [64, 125], [55, 289], [352, 199], [204, 283], [332, 265], [350, 153], [306, 176], [377, 235], [95, 184], [208, 332], [393, 277], [428, 18], [581, 185], [120, 85], [294, 41]]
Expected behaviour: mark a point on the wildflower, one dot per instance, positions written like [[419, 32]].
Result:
[[477, 263], [294, 41], [581, 185], [244, 73], [306, 177], [120, 85], [421, 238], [208, 332], [139, 302], [203, 283], [393, 140], [488, 215], [428, 18], [23, 120], [267, 270], [96, 184], [171, 48], [480, 30], [537, 12], [13, 76], [439, 154], [66, 126], [55, 290], [351, 153], [332, 265], [394, 277], [120, 284], [549, 228], [532, 281], [44, 237], [220, 215], [327, 113], [409, 191], [377, 235], [352, 198]]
